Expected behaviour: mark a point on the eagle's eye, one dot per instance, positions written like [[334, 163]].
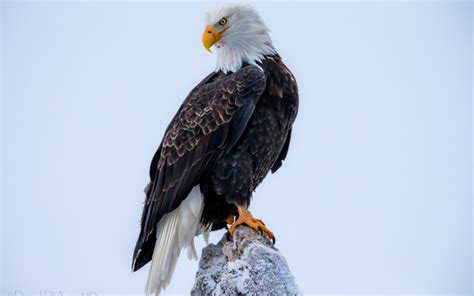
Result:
[[223, 21]]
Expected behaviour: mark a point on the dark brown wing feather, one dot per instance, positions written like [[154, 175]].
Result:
[[283, 82], [209, 122], [283, 153]]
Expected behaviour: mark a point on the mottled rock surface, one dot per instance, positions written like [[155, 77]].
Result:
[[248, 265]]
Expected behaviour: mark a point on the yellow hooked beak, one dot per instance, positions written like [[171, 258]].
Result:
[[211, 36]]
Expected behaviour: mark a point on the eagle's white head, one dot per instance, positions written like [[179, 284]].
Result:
[[239, 34]]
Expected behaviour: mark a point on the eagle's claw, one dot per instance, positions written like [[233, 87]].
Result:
[[246, 218]]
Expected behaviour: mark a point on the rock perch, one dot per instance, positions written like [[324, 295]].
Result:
[[248, 265]]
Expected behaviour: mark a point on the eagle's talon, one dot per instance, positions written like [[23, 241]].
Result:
[[246, 218]]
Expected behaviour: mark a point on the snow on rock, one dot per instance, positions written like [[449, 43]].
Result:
[[248, 265]]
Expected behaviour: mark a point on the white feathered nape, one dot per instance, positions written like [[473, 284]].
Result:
[[175, 231]]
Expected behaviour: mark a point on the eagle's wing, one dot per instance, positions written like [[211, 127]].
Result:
[[210, 121], [283, 153], [287, 118]]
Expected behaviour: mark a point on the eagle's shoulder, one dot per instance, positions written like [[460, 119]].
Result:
[[216, 102]]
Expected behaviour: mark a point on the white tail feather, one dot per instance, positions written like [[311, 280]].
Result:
[[175, 231]]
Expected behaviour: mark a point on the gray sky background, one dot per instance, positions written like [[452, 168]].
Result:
[[374, 197]]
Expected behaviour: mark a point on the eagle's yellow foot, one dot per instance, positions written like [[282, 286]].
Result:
[[246, 218]]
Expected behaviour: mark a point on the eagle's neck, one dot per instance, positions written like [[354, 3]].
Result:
[[233, 53]]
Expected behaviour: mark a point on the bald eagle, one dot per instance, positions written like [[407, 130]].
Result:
[[231, 130]]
